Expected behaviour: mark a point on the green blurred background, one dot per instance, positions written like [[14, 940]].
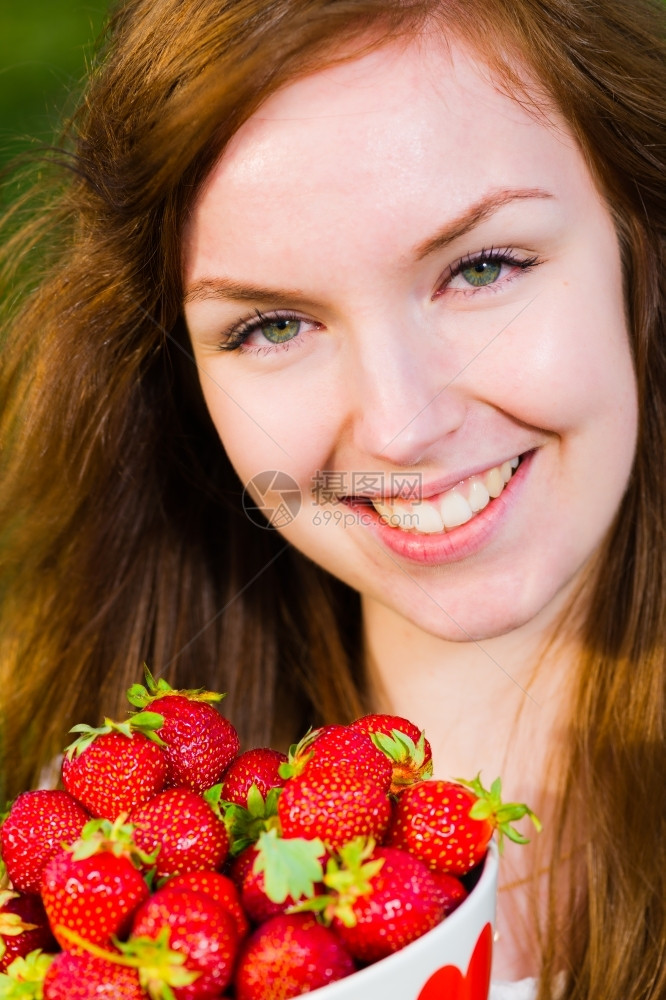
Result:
[[44, 49]]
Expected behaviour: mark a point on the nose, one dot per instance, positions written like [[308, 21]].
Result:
[[406, 398]]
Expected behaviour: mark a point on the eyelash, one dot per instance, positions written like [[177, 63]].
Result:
[[238, 335]]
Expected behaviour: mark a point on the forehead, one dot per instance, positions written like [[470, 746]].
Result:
[[407, 125]]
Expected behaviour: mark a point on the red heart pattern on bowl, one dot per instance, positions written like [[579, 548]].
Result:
[[448, 983]]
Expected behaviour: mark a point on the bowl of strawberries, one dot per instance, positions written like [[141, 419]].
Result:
[[170, 865]]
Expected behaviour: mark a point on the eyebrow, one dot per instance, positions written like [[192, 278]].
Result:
[[228, 288], [474, 216]]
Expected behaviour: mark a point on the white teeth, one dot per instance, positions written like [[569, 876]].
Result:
[[426, 518], [478, 495], [383, 509], [454, 509], [494, 481], [397, 515]]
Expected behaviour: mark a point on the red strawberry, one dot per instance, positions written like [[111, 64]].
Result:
[[188, 834], [195, 927], [333, 805], [37, 826], [23, 927], [404, 745], [339, 748], [200, 743], [86, 977], [92, 888], [217, 887], [449, 824], [452, 891], [241, 865], [288, 956], [258, 767], [114, 769], [383, 899]]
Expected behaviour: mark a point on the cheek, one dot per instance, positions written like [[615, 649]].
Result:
[[264, 426], [567, 363]]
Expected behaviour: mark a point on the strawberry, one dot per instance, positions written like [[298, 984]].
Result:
[[339, 748], [333, 805], [404, 745], [290, 955], [382, 899], [113, 769], [188, 834], [220, 889], [195, 927], [36, 827], [86, 977], [259, 767], [448, 824], [93, 887], [451, 889], [23, 927], [241, 865], [200, 743]]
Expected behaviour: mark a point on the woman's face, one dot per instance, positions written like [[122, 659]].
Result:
[[400, 286]]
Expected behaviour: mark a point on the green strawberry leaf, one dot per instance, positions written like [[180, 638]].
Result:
[[291, 867], [159, 967], [244, 826], [143, 722], [24, 978], [141, 695], [299, 754], [213, 797], [88, 736], [398, 746], [99, 835], [489, 806]]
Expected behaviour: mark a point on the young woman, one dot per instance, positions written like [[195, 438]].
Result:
[[408, 256]]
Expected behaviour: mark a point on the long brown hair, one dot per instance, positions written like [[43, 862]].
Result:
[[121, 527]]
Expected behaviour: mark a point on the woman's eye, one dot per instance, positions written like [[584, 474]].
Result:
[[487, 269], [261, 332], [280, 330], [484, 272]]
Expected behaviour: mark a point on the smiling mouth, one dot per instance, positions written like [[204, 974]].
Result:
[[447, 510]]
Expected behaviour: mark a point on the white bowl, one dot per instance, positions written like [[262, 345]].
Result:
[[450, 962]]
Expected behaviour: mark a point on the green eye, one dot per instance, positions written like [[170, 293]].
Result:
[[484, 272], [281, 330]]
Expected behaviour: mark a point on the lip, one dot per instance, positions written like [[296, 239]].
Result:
[[451, 546], [430, 490]]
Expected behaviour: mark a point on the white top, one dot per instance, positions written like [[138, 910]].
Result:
[[524, 989]]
